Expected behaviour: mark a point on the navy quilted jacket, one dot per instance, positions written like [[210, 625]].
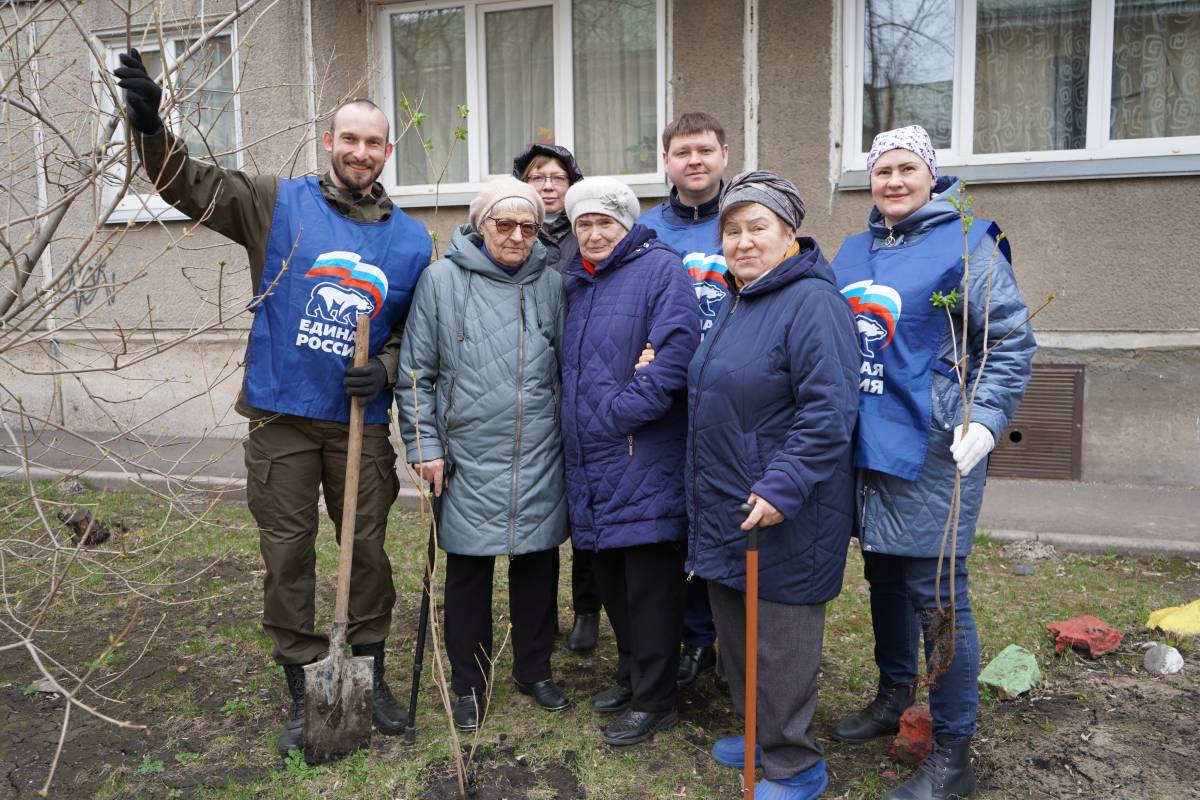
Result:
[[624, 433], [772, 401]]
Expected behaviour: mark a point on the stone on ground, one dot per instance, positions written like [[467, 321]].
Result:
[[1012, 673], [1091, 636], [1162, 659], [915, 740]]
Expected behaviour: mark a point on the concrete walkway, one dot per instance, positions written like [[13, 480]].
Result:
[[1075, 516]]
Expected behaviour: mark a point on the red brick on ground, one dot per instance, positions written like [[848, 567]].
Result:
[[915, 739], [1091, 636]]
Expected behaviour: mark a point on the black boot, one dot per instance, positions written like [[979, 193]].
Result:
[[584, 633], [292, 735], [386, 712], [881, 717], [946, 774]]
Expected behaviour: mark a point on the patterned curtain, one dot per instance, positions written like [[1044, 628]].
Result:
[[1031, 75], [1156, 69]]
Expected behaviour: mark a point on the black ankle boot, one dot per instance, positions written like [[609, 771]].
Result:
[[946, 774], [879, 718], [387, 714], [292, 735], [584, 633]]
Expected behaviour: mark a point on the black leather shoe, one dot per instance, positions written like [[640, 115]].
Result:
[[387, 714], [292, 735], [467, 711], [584, 633], [881, 717], [638, 726], [693, 661], [546, 693], [945, 775], [612, 701]]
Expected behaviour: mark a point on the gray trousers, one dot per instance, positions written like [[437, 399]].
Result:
[[789, 656]]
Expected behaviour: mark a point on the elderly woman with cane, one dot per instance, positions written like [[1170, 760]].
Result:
[[772, 398], [624, 439], [915, 437], [478, 398]]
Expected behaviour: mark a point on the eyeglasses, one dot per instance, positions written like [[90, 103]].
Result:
[[505, 227], [541, 180]]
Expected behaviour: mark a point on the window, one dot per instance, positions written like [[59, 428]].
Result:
[[1028, 89], [586, 74], [205, 115]]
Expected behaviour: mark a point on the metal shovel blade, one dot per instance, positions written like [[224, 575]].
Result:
[[337, 707]]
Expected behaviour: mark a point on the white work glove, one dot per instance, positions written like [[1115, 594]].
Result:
[[969, 448]]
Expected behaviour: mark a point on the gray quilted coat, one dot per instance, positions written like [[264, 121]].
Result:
[[482, 348]]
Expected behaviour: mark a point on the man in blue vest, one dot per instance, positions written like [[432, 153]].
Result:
[[321, 252], [694, 157]]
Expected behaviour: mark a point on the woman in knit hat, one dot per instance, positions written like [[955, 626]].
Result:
[[624, 439], [914, 436], [478, 399], [771, 407]]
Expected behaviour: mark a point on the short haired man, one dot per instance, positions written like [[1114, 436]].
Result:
[[321, 252], [694, 157]]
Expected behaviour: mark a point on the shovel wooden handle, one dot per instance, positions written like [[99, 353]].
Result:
[[341, 608]]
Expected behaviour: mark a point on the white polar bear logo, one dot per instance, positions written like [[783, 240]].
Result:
[[335, 303], [709, 296], [868, 331]]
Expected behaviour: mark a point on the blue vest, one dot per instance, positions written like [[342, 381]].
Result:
[[302, 338], [700, 248], [900, 334]]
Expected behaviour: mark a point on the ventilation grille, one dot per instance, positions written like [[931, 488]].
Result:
[[1045, 439]]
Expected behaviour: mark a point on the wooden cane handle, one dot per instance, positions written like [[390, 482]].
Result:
[[362, 345]]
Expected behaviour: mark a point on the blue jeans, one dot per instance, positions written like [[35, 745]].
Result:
[[902, 608]]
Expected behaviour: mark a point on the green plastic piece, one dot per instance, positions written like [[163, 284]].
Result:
[[1012, 673]]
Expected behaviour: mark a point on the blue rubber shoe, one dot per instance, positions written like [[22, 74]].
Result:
[[731, 752], [807, 785]]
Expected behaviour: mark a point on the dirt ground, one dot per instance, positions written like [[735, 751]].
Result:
[[201, 676]]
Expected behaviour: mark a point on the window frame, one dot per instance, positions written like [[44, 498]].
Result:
[[137, 207], [647, 184], [1101, 157]]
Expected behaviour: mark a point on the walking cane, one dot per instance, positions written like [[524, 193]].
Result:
[[410, 730], [751, 699]]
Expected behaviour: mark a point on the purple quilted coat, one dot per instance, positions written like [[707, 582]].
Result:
[[624, 433]]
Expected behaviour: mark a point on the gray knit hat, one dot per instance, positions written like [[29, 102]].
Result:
[[607, 196], [504, 188], [765, 188]]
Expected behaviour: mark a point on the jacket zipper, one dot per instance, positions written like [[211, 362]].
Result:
[[512, 514], [629, 439], [691, 438]]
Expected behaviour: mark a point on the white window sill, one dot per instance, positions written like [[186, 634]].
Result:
[[135, 208], [461, 194], [1073, 169]]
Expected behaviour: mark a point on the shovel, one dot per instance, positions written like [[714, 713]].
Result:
[[751, 699], [337, 689]]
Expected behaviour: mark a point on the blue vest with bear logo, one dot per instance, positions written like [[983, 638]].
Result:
[[900, 333], [322, 271]]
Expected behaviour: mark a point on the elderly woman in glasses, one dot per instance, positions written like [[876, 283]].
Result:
[[478, 398]]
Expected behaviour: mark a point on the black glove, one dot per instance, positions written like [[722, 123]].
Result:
[[365, 382], [142, 94]]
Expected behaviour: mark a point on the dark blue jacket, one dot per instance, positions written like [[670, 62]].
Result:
[[624, 433], [772, 401]]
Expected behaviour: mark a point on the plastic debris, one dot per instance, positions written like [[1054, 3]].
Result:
[[1012, 673], [915, 740], [1091, 636], [1022, 570], [1162, 659], [1181, 620]]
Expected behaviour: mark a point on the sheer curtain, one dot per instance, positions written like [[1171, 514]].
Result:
[[908, 67], [1156, 69], [616, 100], [520, 82], [1031, 75], [430, 69]]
